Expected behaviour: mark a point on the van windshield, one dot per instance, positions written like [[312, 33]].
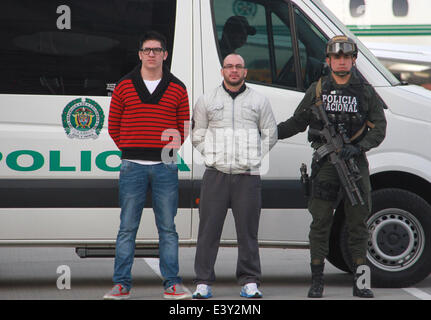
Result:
[[364, 50]]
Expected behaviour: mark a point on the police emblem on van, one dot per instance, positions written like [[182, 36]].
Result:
[[82, 119]]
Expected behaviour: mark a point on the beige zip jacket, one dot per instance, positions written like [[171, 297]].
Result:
[[233, 135]]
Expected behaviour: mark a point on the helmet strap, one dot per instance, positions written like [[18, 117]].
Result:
[[341, 73]]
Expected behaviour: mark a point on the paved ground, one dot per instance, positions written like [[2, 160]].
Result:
[[33, 273]]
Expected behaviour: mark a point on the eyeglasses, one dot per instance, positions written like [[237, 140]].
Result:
[[231, 67], [156, 51]]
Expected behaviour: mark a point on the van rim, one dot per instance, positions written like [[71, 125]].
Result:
[[404, 239]]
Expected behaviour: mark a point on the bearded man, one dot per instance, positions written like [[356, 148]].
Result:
[[233, 128]]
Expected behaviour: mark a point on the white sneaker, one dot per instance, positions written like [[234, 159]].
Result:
[[250, 290], [203, 291]]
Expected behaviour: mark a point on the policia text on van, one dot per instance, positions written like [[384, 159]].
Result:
[[36, 160], [52, 58]]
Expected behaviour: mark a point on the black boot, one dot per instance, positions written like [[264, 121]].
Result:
[[361, 293], [316, 289]]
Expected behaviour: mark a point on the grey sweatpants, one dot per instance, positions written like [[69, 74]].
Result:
[[242, 193]]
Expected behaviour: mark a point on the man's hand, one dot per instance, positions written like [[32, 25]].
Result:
[[349, 151]]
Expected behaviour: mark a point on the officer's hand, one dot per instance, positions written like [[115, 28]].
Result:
[[349, 151]]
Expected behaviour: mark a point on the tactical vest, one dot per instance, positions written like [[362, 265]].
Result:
[[345, 108]]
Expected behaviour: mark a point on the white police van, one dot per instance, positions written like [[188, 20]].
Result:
[[59, 168]]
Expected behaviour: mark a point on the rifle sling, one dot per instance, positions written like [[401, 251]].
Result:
[[359, 132]]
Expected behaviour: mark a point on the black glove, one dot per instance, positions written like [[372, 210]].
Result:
[[349, 151]]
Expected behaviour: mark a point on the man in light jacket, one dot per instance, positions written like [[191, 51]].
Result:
[[233, 128]]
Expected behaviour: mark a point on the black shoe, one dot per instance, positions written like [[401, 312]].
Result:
[[361, 293], [316, 289]]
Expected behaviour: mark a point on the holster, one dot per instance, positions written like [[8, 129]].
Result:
[[305, 180]]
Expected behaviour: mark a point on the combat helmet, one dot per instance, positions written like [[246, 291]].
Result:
[[342, 44]]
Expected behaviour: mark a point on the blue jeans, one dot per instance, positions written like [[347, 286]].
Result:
[[135, 179]]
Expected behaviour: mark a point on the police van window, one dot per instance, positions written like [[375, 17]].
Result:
[[400, 8], [261, 32], [311, 44], [241, 28], [284, 59], [357, 8], [75, 47]]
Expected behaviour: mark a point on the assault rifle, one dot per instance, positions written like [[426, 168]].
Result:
[[347, 170]]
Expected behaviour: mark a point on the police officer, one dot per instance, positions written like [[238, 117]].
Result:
[[352, 104]]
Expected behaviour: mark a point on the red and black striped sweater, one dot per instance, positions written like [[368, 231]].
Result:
[[142, 124]]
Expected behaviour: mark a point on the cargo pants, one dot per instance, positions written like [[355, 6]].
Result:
[[325, 187]]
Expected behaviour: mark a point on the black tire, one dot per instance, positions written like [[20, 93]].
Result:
[[335, 255], [399, 248]]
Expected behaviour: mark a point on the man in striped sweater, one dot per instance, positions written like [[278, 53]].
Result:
[[147, 121]]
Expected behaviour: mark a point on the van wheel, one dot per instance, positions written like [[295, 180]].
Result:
[[399, 247], [335, 255]]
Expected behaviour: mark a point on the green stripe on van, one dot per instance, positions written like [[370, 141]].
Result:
[[182, 166], [391, 30]]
